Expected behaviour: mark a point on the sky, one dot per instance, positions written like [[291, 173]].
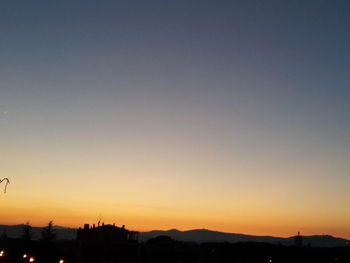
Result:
[[159, 114]]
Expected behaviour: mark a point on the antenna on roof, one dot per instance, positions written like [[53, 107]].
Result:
[[7, 182]]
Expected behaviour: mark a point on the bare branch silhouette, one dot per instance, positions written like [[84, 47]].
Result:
[[7, 182]]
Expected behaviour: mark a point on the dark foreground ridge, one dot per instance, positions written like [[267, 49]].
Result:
[[116, 244]]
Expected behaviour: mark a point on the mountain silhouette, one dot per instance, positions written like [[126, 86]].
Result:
[[16, 231], [204, 235], [196, 235]]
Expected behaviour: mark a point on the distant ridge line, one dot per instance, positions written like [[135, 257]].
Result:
[[194, 235], [205, 235]]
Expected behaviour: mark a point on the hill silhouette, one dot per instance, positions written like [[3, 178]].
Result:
[[196, 235], [204, 235], [16, 231]]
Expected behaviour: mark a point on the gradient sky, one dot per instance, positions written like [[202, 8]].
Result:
[[227, 115]]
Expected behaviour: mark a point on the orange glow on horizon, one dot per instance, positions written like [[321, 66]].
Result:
[[157, 203], [145, 220]]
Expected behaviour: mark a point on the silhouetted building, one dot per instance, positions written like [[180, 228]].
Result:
[[106, 243], [298, 240]]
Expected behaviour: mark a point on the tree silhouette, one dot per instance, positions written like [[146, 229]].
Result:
[[27, 232], [48, 233], [7, 182], [48, 244]]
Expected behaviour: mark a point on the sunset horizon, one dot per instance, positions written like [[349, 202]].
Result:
[[240, 228], [231, 116], [130, 227]]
